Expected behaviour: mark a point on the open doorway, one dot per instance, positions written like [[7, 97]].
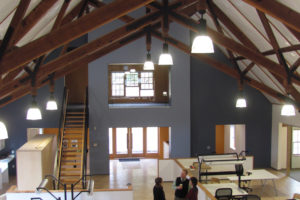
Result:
[[146, 142], [230, 138]]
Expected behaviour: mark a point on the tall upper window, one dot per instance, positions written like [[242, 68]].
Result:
[[296, 142], [232, 137], [132, 84]]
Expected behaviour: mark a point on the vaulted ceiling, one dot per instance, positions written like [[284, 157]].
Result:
[[260, 38]]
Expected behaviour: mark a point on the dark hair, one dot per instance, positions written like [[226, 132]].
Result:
[[158, 181], [194, 182], [185, 171]]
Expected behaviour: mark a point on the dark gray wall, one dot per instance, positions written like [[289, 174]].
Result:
[[176, 116], [213, 96], [14, 116]]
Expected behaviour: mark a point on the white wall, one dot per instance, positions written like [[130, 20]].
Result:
[[282, 145], [295, 162], [276, 146], [240, 137]]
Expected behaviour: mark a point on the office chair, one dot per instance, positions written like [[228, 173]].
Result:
[[223, 193], [251, 197]]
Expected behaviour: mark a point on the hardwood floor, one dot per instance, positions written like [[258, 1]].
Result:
[[142, 174]]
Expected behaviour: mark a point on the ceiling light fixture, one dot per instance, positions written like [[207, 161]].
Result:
[[288, 110], [34, 112], [241, 100], [3, 131], [202, 42], [148, 65], [51, 104], [165, 57]]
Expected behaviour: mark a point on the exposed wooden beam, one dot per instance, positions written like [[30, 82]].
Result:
[[248, 68], [32, 18], [234, 46], [86, 49], [279, 11], [100, 42], [61, 14], [220, 30], [98, 4], [14, 26], [73, 13], [295, 47], [11, 75], [225, 68], [22, 90], [232, 27], [295, 66], [67, 33], [288, 86]]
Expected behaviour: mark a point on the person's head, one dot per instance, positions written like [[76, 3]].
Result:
[[194, 181], [158, 181], [184, 173]]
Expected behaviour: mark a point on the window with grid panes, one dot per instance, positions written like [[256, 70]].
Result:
[[131, 84], [296, 142]]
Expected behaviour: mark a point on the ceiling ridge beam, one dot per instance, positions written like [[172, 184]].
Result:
[[68, 32], [224, 68], [278, 11]]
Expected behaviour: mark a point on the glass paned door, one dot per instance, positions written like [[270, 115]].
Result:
[[137, 138], [152, 140], [121, 140]]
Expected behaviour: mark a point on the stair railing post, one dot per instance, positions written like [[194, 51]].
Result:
[[72, 191], [65, 191]]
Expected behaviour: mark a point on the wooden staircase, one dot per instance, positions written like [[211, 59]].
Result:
[[71, 161]]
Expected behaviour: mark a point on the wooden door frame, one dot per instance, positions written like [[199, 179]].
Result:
[[129, 138]]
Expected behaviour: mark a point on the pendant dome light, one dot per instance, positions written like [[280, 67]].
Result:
[[165, 57], [241, 100], [51, 104], [34, 112], [3, 131], [202, 42], [288, 109], [148, 65]]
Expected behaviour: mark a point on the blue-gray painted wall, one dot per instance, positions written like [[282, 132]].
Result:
[[176, 116], [213, 102], [14, 116]]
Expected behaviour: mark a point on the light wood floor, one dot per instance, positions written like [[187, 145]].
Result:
[[142, 174]]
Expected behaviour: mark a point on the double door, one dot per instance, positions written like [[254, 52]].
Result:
[[133, 142]]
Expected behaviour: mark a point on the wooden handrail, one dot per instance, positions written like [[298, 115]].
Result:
[[84, 140]]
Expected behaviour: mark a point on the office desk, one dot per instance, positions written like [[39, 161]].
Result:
[[4, 169], [236, 191], [258, 174]]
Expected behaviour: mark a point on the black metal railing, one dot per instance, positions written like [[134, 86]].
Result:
[[88, 189], [61, 132], [85, 145]]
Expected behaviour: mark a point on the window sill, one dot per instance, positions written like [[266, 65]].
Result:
[[138, 105]]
